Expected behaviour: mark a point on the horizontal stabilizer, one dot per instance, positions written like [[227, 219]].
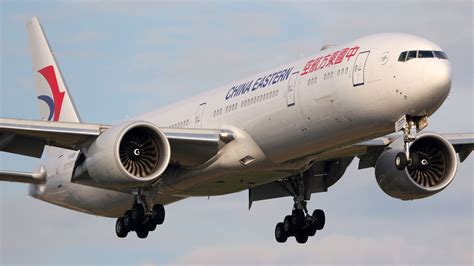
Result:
[[21, 177]]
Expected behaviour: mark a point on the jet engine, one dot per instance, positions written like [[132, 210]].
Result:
[[432, 168], [128, 155]]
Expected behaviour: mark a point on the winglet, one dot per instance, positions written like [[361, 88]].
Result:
[[55, 103]]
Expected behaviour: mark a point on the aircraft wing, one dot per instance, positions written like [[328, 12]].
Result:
[[369, 151], [191, 147], [333, 164], [463, 144]]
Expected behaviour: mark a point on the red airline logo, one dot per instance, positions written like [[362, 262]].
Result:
[[58, 96]]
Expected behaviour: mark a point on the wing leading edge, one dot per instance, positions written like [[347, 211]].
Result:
[[191, 147], [28, 137]]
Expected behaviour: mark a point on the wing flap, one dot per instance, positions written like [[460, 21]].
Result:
[[27, 146], [192, 147]]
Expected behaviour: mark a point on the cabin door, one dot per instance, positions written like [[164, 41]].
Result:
[[359, 69], [291, 88], [199, 115]]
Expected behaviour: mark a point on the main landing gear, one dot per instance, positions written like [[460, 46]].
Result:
[[140, 219], [300, 223]]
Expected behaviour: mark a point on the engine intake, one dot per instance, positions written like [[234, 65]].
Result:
[[140, 152], [432, 168], [128, 155]]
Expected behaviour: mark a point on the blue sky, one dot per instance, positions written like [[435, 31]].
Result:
[[124, 58]]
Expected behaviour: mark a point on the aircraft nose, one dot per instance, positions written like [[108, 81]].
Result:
[[437, 78]]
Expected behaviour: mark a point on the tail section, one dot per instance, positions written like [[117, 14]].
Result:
[[54, 101]]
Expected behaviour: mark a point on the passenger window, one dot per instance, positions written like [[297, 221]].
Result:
[[425, 54], [402, 57], [440, 55]]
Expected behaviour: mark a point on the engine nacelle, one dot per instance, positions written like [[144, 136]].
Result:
[[418, 180], [128, 155]]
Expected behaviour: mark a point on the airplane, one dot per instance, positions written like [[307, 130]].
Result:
[[290, 131]]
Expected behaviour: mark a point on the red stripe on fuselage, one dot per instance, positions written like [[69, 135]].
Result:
[[58, 96]]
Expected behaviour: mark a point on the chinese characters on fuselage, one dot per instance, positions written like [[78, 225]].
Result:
[[328, 60]]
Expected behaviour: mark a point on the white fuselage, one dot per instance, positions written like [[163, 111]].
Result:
[[283, 118]]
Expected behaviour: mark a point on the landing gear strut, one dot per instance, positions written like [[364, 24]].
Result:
[[142, 218], [411, 125], [300, 223]]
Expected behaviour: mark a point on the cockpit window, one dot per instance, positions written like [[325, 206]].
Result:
[[411, 55], [402, 57], [425, 54], [408, 55], [440, 55]]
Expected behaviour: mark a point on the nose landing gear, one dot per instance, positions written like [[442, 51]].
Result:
[[410, 126]]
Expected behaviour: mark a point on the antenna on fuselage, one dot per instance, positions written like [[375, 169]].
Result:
[[327, 46]]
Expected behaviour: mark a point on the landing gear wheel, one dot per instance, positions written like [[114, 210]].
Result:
[[150, 225], [297, 218], [127, 220], [415, 161], [302, 236], [320, 218], [158, 213], [138, 213], [401, 161], [280, 234], [142, 232], [288, 225], [120, 228], [300, 224], [311, 230]]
